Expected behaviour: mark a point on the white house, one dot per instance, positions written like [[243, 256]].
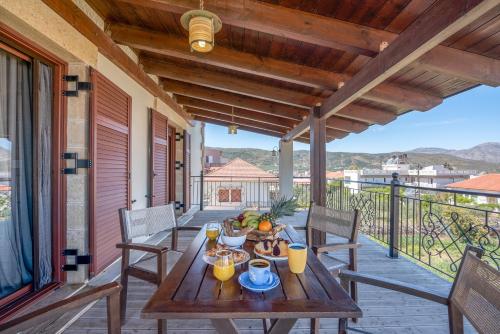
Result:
[[435, 176]]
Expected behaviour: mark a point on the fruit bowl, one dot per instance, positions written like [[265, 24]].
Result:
[[257, 235], [233, 241]]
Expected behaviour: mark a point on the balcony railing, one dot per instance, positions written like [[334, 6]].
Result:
[[429, 225]]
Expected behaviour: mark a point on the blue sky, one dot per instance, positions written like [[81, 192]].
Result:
[[461, 121]]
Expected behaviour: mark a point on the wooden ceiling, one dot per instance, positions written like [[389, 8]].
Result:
[[274, 60]]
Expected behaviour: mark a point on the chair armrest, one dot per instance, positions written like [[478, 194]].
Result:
[[300, 228], [335, 246], [143, 247], [188, 228], [407, 288]]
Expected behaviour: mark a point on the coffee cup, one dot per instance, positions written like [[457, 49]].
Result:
[[259, 272]]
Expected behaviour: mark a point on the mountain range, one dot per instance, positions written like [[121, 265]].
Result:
[[481, 158]]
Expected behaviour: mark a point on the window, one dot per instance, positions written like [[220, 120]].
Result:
[[223, 195]]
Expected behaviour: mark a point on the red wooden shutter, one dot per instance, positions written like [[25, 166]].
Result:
[[109, 178], [159, 159], [223, 195], [235, 195], [187, 170]]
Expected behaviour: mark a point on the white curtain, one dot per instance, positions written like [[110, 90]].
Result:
[[16, 195]]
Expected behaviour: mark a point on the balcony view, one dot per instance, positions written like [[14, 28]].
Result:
[[249, 166]]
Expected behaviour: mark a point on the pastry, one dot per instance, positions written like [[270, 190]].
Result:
[[212, 252], [264, 247], [238, 256], [280, 247]]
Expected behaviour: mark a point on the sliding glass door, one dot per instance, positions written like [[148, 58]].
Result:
[[26, 93]]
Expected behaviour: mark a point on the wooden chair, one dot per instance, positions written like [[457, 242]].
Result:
[[475, 293], [111, 291], [343, 224], [144, 223]]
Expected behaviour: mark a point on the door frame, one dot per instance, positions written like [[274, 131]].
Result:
[[11, 40], [171, 163], [93, 73], [151, 176]]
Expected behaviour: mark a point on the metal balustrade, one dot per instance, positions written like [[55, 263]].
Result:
[[431, 226]]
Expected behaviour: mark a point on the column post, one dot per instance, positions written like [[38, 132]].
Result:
[[318, 165], [286, 168]]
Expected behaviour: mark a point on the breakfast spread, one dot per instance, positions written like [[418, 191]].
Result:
[[276, 247], [263, 225], [238, 255]]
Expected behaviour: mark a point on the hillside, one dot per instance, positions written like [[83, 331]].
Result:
[[344, 160], [489, 152]]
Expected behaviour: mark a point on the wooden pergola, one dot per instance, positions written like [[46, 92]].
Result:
[[311, 71]]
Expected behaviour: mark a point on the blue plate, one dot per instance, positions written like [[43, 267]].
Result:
[[245, 282]]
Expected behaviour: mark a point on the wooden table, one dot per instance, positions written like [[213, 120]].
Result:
[[191, 291]]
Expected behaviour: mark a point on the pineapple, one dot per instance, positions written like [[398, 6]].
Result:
[[279, 208]]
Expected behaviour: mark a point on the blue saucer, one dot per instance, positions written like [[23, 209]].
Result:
[[245, 282]]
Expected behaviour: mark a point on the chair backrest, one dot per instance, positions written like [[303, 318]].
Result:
[[146, 222], [38, 317], [476, 293], [344, 224]]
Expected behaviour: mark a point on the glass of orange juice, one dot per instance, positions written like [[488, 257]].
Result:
[[224, 265], [212, 230]]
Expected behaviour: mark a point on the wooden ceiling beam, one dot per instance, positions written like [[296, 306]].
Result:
[[353, 111], [442, 20], [228, 83], [241, 101], [241, 113], [81, 22], [329, 32], [299, 130], [169, 45], [303, 139], [333, 122], [237, 120]]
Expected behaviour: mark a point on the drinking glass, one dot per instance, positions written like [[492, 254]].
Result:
[[212, 230], [224, 265]]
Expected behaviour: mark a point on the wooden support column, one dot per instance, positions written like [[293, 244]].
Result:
[[286, 168], [318, 165]]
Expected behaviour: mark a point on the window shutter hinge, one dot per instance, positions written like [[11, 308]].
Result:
[[76, 259], [78, 163], [78, 85], [179, 136], [178, 165], [179, 205]]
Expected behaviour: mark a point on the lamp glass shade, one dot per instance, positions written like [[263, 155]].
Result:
[[201, 36], [232, 129]]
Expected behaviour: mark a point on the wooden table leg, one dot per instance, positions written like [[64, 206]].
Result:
[[315, 326], [282, 326], [225, 326], [342, 326], [162, 326]]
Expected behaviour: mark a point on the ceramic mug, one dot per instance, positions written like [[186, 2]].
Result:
[[297, 257], [259, 272]]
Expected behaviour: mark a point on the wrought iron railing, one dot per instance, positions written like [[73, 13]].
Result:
[[244, 192], [429, 225]]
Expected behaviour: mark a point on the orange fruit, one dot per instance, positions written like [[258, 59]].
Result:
[[265, 226]]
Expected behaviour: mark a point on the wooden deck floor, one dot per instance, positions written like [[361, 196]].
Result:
[[384, 311]]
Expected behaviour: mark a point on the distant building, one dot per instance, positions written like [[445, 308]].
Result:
[[487, 184], [239, 183], [435, 176], [213, 159]]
